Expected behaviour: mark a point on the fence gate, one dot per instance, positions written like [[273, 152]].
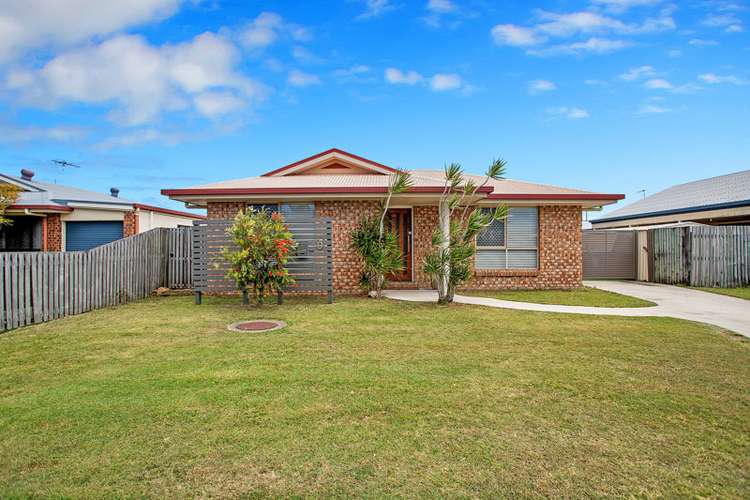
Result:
[[609, 255], [311, 266]]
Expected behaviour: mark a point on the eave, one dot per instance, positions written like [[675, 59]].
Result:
[[40, 208], [168, 211], [674, 211]]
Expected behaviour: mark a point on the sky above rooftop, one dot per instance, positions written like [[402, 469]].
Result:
[[605, 95]]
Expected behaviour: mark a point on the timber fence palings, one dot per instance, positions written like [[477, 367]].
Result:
[[704, 256], [42, 286]]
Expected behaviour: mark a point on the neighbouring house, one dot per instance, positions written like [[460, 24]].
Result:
[[720, 200], [53, 217], [537, 246]]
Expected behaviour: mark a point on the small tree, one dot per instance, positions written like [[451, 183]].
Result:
[[378, 246], [264, 242], [8, 196], [458, 225]]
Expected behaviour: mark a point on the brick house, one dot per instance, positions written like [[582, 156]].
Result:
[[537, 246], [53, 217]]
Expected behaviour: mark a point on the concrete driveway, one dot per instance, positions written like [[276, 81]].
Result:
[[679, 302], [672, 301]]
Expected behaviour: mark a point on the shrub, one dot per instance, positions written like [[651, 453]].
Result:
[[378, 246], [381, 255], [264, 242]]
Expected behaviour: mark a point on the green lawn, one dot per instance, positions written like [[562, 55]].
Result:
[[584, 296], [371, 398], [740, 293]]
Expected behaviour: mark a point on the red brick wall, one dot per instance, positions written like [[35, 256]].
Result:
[[560, 255], [54, 233], [130, 224], [560, 252], [347, 266], [224, 210], [560, 247]]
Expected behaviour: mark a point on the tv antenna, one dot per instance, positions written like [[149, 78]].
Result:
[[65, 164]]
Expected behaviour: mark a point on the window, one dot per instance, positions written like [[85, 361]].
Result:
[[259, 207], [510, 244], [493, 236]]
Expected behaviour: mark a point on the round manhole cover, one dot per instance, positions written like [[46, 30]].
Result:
[[258, 325]]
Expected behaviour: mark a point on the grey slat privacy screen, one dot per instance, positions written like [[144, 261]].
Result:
[[311, 266]]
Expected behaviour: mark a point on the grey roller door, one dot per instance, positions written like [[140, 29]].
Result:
[[86, 235]]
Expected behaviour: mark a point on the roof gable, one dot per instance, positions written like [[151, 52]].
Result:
[[332, 161]]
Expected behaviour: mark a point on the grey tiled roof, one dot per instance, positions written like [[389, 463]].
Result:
[[730, 188], [36, 192]]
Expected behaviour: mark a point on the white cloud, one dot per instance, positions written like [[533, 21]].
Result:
[[638, 72], [568, 112], [658, 84], [586, 22], [714, 79], [34, 23], [141, 136], [730, 22], [21, 133], [592, 45], [590, 31], [619, 6], [301, 79], [517, 36], [359, 73], [652, 109], [539, 86], [213, 104], [441, 6], [139, 79], [700, 42], [441, 82], [375, 8], [674, 53], [396, 76], [267, 29]]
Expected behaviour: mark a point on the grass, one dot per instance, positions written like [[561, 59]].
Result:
[[740, 293], [371, 398], [584, 296]]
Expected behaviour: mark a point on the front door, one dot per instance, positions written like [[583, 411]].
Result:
[[399, 222]]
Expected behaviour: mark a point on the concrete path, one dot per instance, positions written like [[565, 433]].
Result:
[[677, 302]]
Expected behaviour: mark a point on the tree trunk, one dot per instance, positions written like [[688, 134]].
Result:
[[445, 229]]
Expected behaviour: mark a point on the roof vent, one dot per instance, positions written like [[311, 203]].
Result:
[[114, 192], [26, 174]]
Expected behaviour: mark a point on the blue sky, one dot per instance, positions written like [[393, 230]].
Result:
[[607, 95]]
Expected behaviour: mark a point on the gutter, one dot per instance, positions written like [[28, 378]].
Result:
[[674, 211]]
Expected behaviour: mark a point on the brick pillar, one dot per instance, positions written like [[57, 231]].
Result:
[[347, 264], [130, 224], [54, 233]]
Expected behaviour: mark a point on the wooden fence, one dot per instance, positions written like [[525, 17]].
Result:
[[311, 266], [179, 266], [709, 256], [41, 286]]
